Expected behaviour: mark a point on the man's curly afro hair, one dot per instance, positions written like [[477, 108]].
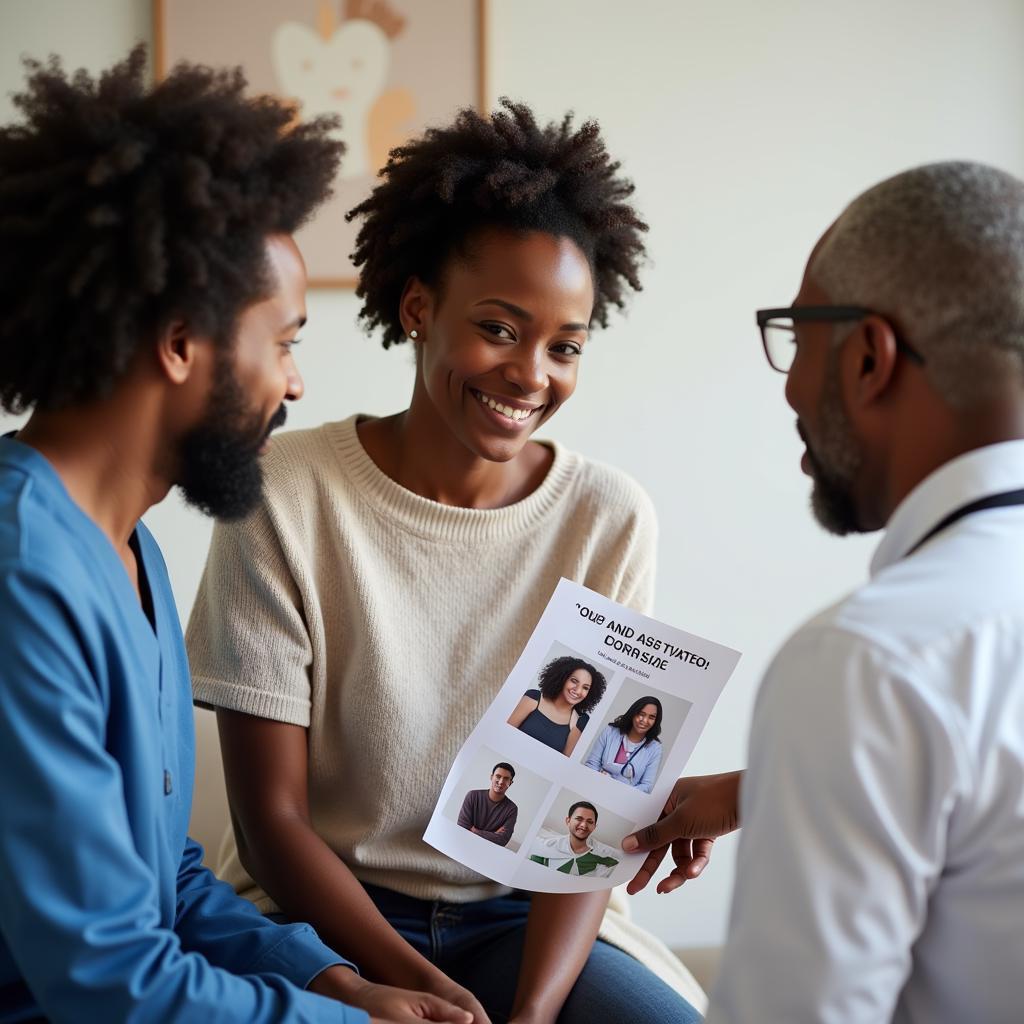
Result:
[[502, 171], [124, 207]]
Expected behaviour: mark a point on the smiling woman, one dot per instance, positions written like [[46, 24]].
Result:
[[558, 711], [628, 750], [353, 632]]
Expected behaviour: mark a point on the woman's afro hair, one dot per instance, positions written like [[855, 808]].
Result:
[[505, 171], [555, 674], [125, 207]]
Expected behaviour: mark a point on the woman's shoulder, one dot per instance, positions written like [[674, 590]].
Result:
[[316, 466], [297, 456], [532, 694], [608, 489], [304, 487]]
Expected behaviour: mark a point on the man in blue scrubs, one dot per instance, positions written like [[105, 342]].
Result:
[[150, 295]]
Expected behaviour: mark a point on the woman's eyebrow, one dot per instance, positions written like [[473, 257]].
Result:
[[296, 323], [510, 306]]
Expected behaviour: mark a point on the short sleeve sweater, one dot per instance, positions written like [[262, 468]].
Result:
[[386, 623]]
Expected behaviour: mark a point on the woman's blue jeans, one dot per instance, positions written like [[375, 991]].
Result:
[[480, 945]]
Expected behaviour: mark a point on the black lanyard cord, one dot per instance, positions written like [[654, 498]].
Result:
[[1002, 500]]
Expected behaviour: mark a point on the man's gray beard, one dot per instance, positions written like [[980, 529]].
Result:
[[835, 461]]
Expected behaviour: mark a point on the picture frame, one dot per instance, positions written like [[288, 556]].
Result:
[[390, 68]]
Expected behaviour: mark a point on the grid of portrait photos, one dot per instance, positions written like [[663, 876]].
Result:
[[580, 747]]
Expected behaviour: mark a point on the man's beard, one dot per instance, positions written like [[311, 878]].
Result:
[[221, 473], [835, 461]]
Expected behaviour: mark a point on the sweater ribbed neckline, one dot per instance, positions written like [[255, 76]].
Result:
[[446, 522]]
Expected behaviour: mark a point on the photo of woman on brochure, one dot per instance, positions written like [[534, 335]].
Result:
[[628, 749], [557, 712]]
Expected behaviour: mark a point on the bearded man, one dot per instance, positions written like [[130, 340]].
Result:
[[881, 867], [150, 294]]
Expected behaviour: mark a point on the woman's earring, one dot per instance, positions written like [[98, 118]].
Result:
[[413, 335]]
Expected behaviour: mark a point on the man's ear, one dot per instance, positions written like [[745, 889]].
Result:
[[871, 356], [415, 309], [178, 351]]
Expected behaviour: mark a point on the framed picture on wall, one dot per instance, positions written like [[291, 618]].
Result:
[[389, 68]]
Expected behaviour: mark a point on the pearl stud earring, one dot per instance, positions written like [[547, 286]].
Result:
[[413, 335]]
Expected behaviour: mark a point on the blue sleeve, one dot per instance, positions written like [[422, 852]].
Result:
[[212, 920], [79, 908], [650, 773], [596, 756], [532, 694], [581, 722]]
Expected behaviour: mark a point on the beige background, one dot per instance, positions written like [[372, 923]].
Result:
[[747, 126]]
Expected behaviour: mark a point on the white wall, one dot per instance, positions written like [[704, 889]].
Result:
[[746, 126]]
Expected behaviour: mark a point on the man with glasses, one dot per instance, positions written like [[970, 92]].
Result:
[[881, 869]]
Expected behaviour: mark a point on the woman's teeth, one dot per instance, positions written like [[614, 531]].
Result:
[[505, 410]]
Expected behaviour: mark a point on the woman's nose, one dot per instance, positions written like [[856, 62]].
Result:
[[525, 369]]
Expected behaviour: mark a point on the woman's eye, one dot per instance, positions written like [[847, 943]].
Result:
[[502, 331], [567, 348]]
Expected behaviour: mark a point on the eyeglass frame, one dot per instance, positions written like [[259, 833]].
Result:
[[827, 314]]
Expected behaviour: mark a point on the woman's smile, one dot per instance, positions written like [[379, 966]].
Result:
[[507, 413], [576, 689]]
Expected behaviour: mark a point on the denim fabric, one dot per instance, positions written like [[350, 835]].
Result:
[[480, 944]]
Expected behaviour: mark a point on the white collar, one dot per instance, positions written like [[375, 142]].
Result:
[[975, 474], [566, 845]]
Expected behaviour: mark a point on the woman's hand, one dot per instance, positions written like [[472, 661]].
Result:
[[698, 810], [402, 1006], [385, 1004], [444, 988]]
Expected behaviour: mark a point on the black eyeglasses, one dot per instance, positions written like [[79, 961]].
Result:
[[778, 330]]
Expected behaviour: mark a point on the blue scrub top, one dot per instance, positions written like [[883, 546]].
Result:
[[106, 912]]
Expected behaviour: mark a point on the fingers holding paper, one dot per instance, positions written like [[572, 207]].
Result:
[[698, 810]]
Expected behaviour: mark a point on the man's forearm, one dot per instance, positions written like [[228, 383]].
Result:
[[501, 838], [560, 934]]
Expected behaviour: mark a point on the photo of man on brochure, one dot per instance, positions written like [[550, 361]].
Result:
[[482, 807], [571, 845], [489, 813]]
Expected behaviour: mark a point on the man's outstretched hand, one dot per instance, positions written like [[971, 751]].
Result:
[[697, 812]]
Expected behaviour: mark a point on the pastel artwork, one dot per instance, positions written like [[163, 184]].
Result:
[[341, 68]]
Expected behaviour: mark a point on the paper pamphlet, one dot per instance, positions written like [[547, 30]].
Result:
[[595, 679]]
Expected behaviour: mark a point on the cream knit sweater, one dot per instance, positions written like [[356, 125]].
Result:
[[386, 623]]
